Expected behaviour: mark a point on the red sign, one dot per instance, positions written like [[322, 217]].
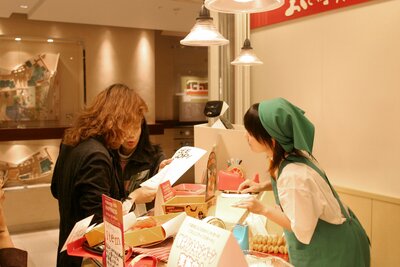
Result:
[[113, 233], [293, 9]]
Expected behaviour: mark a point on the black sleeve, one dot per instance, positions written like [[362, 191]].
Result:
[[56, 172], [13, 257], [94, 179]]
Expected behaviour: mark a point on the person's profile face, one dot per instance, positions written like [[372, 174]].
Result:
[[256, 146], [132, 139]]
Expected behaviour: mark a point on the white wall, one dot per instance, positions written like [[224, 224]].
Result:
[[342, 67], [228, 144]]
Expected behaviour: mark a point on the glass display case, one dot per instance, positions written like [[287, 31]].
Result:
[[35, 74]]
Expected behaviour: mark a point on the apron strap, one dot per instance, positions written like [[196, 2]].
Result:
[[304, 160]]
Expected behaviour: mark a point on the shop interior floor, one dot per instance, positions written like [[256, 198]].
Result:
[[41, 247]]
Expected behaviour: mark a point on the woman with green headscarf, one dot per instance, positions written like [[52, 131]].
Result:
[[319, 229]]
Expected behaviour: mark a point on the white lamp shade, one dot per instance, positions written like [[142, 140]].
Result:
[[204, 33], [243, 6], [247, 57]]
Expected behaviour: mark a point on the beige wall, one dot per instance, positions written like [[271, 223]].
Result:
[[342, 67], [113, 54]]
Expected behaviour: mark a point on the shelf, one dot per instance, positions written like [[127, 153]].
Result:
[[51, 132]]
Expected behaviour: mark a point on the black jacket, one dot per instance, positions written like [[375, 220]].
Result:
[[81, 175], [142, 164]]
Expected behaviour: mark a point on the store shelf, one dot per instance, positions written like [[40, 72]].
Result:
[[50, 132]]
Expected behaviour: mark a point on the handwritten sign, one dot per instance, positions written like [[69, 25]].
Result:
[[293, 9], [201, 244], [113, 232]]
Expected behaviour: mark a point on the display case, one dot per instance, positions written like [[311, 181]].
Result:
[[35, 75]]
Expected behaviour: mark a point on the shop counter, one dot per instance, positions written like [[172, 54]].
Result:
[[222, 209]]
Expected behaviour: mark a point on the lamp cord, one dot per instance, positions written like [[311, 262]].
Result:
[[247, 26]]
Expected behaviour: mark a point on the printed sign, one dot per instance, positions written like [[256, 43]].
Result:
[[183, 159], [113, 232], [201, 244], [293, 9]]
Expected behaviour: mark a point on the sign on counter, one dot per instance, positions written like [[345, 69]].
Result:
[[201, 244], [113, 233]]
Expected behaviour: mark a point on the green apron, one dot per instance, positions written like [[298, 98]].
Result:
[[344, 245]]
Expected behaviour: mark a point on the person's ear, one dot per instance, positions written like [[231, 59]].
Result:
[[273, 143]]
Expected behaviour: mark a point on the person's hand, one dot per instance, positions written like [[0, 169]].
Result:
[[164, 163], [251, 204], [5, 238], [143, 195], [251, 185]]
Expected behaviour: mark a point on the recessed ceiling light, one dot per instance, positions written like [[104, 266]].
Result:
[[50, 40], [17, 39], [23, 6]]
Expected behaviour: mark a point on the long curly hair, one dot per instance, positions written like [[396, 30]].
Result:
[[112, 113]]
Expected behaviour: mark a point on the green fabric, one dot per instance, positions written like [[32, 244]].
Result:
[[344, 245], [287, 124]]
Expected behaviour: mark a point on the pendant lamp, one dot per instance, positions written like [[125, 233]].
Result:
[[247, 57], [204, 33], [243, 6]]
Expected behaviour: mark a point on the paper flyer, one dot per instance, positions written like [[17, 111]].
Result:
[[78, 231], [183, 159]]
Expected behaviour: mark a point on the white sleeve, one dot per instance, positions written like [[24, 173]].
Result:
[[300, 200]]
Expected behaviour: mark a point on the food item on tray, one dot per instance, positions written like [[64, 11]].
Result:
[[269, 244], [265, 261], [147, 222]]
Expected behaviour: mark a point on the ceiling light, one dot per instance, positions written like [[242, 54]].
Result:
[[23, 6], [246, 57], [243, 6], [50, 40], [17, 39], [204, 33]]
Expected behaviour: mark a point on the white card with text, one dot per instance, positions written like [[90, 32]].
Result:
[[183, 159]]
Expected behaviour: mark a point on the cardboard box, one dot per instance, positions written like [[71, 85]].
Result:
[[141, 236], [150, 235], [194, 205], [190, 189]]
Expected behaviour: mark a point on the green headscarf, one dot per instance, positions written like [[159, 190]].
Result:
[[287, 124]]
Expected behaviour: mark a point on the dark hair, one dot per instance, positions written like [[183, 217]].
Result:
[[144, 140], [253, 125], [112, 111]]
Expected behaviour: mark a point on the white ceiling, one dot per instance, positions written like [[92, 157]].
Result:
[[167, 15]]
